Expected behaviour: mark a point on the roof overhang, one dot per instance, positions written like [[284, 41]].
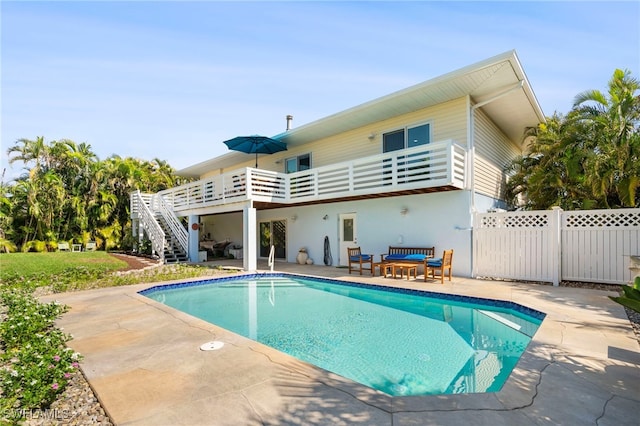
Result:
[[499, 84]]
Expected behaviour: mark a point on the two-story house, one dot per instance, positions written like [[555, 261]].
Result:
[[409, 168]]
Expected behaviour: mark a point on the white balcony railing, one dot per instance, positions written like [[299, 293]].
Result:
[[425, 166]]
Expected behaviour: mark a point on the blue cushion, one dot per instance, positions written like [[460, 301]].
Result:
[[395, 257], [415, 257], [363, 257], [434, 262]]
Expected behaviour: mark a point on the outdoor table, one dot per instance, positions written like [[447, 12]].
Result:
[[384, 267], [401, 266]]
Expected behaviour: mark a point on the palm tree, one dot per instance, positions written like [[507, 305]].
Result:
[[589, 158], [551, 174], [30, 151], [69, 193], [613, 121]]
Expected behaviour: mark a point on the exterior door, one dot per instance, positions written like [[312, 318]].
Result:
[[348, 236], [273, 233]]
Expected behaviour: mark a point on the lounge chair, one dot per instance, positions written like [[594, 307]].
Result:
[[63, 247], [356, 258], [442, 265], [90, 246]]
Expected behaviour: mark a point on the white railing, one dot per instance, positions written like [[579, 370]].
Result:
[[135, 200], [554, 245], [149, 223], [272, 257], [177, 229], [425, 166]]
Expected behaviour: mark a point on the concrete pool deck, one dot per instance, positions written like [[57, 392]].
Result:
[[144, 362]]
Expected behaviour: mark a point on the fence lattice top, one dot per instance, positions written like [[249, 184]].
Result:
[[514, 220], [620, 218], [606, 218]]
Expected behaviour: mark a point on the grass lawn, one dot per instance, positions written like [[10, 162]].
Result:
[[33, 264]]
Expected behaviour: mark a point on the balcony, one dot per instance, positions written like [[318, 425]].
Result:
[[426, 168]]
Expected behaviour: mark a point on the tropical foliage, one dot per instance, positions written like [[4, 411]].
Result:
[[630, 297], [68, 194], [586, 159], [36, 364]]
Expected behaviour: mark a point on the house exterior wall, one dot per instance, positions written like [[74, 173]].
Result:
[[438, 219], [448, 121], [493, 152]]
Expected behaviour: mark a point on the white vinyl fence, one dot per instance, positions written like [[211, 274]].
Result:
[[554, 245]]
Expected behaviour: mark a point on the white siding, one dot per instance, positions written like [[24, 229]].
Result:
[[493, 153], [448, 121]]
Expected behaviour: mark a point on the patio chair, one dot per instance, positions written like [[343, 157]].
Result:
[[356, 258], [442, 265], [90, 246]]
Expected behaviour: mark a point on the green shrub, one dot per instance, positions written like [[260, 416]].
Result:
[[7, 246], [36, 364], [630, 297], [34, 245]]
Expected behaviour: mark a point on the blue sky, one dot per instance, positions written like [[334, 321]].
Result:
[[172, 80]]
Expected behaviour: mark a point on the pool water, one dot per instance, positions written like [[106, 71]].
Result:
[[398, 341]]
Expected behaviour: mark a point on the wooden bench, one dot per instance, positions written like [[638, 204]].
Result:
[[415, 255], [407, 254]]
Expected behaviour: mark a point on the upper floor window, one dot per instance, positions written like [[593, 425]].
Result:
[[296, 164], [406, 138]]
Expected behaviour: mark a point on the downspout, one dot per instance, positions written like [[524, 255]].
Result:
[[472, 153]]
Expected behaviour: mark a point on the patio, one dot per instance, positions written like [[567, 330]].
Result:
[[144, 363]]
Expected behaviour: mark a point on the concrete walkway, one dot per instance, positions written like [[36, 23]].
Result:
[[144, 363]]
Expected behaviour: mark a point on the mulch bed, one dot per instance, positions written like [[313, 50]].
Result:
[[134, 262]]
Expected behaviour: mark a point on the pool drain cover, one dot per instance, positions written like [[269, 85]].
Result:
[[212, 346]]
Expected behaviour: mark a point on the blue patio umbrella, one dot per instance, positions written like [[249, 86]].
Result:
[[256, 144]]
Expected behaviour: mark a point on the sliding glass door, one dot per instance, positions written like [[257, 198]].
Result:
[[273, 233]]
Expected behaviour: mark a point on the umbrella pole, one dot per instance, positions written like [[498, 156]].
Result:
[[256, 160]]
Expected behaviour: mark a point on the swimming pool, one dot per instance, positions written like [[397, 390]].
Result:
[[398, 341]]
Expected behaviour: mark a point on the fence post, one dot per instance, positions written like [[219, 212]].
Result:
[[556, 243]]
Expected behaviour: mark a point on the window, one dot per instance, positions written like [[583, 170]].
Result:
[[296, 164], [417, 135], [393, 141]]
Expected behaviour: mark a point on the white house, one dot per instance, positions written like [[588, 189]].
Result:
[[409, 168]]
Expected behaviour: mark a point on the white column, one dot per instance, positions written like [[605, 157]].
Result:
[[249, 239], [194, 238]]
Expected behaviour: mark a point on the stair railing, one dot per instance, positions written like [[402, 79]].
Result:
[[272, 257], [177, 228], [150, 225]]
